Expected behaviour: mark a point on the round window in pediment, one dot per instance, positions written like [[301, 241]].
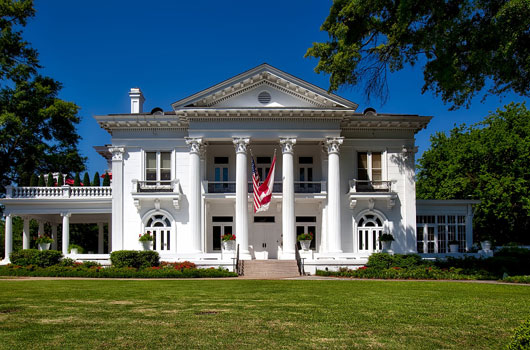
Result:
[[264, 97]]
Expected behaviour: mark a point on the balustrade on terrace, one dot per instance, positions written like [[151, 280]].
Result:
[[59, 192], [299, 187]]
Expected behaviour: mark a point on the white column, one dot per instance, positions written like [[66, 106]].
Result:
[[54, 236], [25, 233], [66, 232], [117, 196], [100, 237], [288, 218], [109, 237], [334, 223], [242, 196], [8, 238], [194, 197]]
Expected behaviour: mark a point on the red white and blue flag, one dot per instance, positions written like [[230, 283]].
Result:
[[262, 192]]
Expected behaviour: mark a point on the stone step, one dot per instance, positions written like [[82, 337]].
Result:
[[269, 268]]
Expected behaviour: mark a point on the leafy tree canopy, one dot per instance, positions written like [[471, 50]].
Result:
[[488, 161], [462, 44], [37, 129]]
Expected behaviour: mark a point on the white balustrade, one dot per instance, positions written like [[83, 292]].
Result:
[[60, 192]]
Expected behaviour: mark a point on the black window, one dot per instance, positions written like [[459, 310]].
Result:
[[220, 160], [305, 160], [222, 219], [306, 219]]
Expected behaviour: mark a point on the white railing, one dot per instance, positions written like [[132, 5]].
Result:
[[156, 185], [59, 192], [370, 186]]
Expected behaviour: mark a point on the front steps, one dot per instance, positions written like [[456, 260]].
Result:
[[269, 269]]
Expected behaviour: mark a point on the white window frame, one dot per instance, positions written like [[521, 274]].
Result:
[[370, 164], [158, 164]]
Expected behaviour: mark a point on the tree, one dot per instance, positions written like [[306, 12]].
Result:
[[86, 180], [41, 182], [106, 179], [34, 180], [60, 180], [77, 180], [487, 161], [50, 181], [96, 180], [463, 45], [37, 129]]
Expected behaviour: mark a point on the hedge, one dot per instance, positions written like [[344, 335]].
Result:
[[517, 279], [521, 337], [111, 272], [134, 258], [41, 258]]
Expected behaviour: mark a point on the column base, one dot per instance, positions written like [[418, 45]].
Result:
[[286, 255], [5, 261], [244, 255]]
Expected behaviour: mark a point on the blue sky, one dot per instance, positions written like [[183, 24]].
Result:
[[172, 49]]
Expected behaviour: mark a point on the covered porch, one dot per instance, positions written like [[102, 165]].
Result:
[[55, 209]]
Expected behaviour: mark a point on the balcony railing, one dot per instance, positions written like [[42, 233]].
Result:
[[156, 186], [370, 186], [59, 192], [299, 187]]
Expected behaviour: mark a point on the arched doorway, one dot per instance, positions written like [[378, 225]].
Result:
[[369, 230], [159, 225]]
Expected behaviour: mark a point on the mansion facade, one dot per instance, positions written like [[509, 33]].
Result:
[[185, 176]]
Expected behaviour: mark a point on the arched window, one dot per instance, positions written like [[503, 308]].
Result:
[[159, 226], [369, 230]]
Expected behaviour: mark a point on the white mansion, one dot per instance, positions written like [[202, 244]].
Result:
[[185, 175]]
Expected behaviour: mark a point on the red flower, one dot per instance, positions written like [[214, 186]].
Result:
[[362, 268]]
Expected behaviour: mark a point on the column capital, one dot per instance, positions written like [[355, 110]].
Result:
[[66, 214], [333, 144], [195, 144], [117, 153], [287, 144], [7, 215], [241, 144]]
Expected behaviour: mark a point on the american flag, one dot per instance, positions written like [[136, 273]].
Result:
[[262, 192]]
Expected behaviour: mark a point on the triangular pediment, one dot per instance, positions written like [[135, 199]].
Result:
[[264, 87]]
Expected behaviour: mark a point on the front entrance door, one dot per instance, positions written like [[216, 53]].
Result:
[[266, 237]]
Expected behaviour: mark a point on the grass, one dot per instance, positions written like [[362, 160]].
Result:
[[246, 314]]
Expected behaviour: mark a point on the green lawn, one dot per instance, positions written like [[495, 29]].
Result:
[[246, 314]]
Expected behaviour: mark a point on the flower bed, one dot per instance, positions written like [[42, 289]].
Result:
[[95, 271]]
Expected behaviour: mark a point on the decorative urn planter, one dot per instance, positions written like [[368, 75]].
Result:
[[453, 248], [44, 246], [305, 244], [229, 245], [486, 246], [146, 245], [387, 245]]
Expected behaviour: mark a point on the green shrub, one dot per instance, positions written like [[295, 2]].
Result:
[[106, 179], [111, 272], [77, 180], [521, 337], [149, 258], [41, 258], [60, 180], [34, 180], [66, 262], [50, 181], [86, 180], [517, 279], [96, 180], [41, 182], [385, 261], [134, 258], [90, 264]]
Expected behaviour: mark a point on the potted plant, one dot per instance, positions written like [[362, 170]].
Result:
[[75, 249], [228, 241], [43, 242], [146, 239], [305, 240], [386, 240], [453, 246]]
